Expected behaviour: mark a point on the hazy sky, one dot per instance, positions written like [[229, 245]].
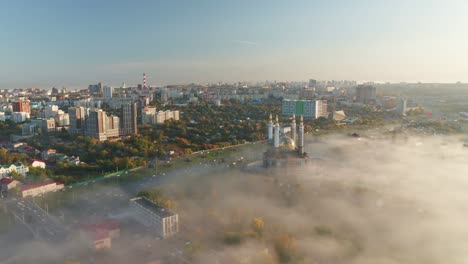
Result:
[[77, 42]]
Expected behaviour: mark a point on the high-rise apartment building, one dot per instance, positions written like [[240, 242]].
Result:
[[96, 124], [77, 119], [306, 108], [95, 88], [366, 94], [108, 91], [113, 126], [128, 120]]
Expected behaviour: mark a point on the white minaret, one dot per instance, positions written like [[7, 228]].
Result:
[[277, 132], [300, 138], [270, 129], [293, 128]]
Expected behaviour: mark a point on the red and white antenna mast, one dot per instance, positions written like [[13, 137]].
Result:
[[144, 80]]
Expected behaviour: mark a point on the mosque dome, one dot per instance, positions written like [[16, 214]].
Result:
[[287, 143]]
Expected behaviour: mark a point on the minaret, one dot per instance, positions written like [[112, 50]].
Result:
[[270, 129], [277, 132], [293, 128], [300, 138]]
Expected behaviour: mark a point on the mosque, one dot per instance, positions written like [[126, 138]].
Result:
[[284, 150]]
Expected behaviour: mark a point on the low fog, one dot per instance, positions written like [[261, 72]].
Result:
[[402, 200], [357, 200]]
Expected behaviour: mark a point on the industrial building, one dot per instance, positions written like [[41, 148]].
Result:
[[164, 221], [39, 189]]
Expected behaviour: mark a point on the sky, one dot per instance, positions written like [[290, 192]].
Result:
[[74, 43]]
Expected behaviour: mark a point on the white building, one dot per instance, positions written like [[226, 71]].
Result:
[[6, 170], [63, 119], [35, 163], [164, 221], [162, 116], [148, 115]]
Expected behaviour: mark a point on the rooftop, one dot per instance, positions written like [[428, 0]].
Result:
[[6, 180], [33, 186], [162, 212]]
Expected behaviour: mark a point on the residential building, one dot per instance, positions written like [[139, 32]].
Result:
[[77, 119], [19, 117], [95, 88], [164, 221], [44, 125], [96, 124], [149, 115], [63, 119], [35, 163], [128, 121], [306, 108], [46, 154], [108, 91], [113, 126], [22, 106], [29, 129], [365, 94], [162, 116], [49, 111], [6, 170]]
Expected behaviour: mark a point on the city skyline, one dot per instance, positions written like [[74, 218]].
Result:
[[73, 44]]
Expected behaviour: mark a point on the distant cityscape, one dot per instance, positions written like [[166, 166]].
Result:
[[55, 141]]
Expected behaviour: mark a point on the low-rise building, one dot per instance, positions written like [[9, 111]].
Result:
[[35, 163], [32, 190], [164, 221], [102, 234], [29, 129], [8, 183], [6, 170], [46, 154]]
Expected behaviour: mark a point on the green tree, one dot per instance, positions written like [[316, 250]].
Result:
[[15, 175]]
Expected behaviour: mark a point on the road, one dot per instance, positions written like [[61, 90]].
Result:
[[43, 226], [109, 199]]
